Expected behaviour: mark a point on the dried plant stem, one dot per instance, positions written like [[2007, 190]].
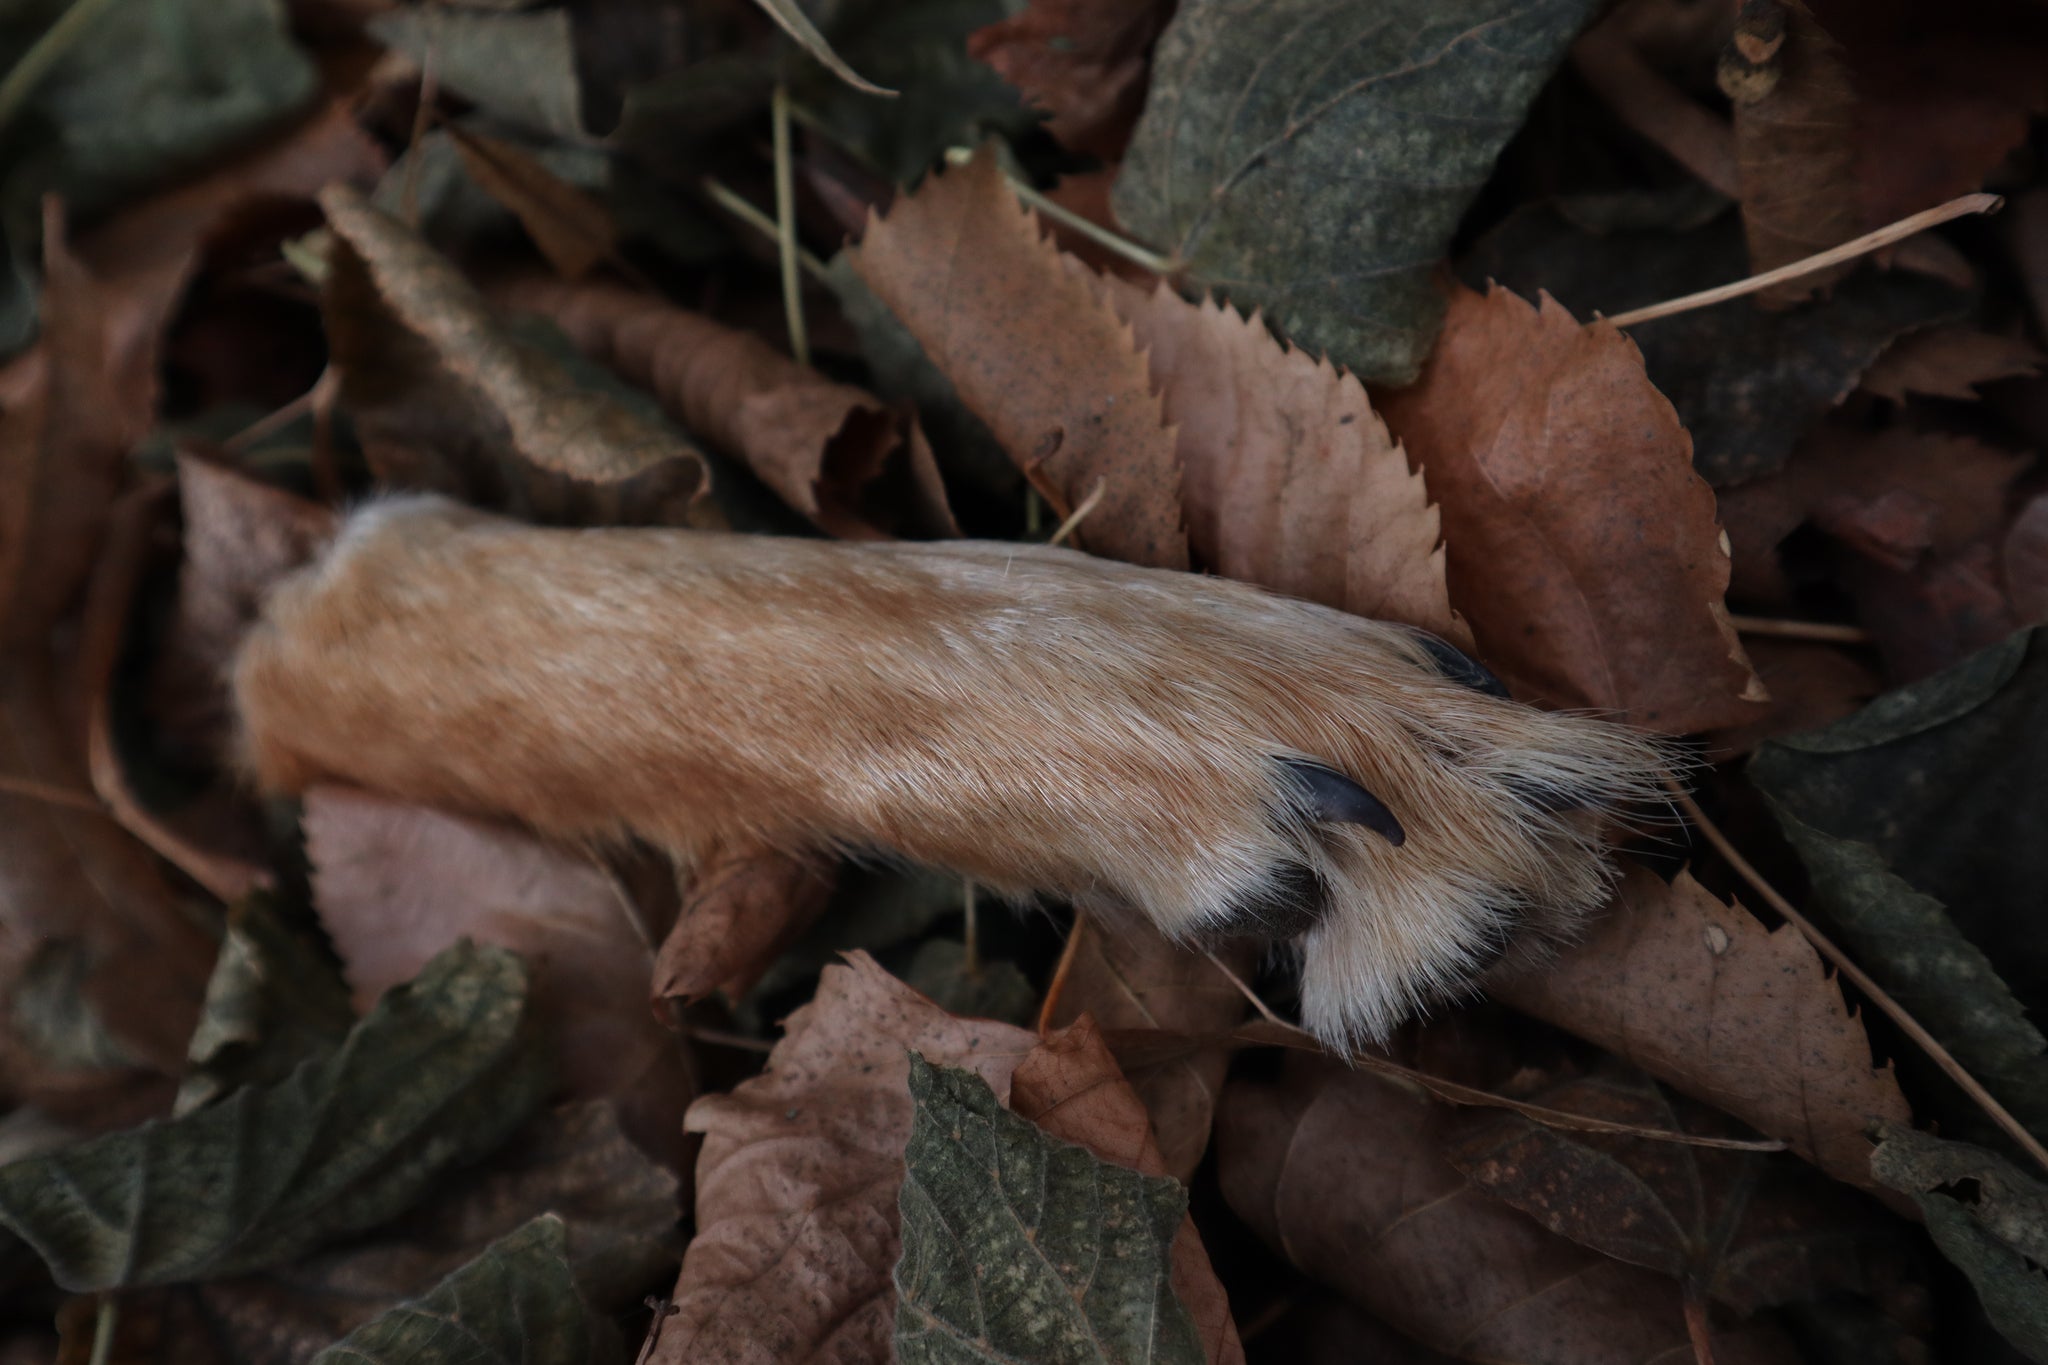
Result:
[[44, 54], [726, 198], [272, 422], [1144, 257], [51, 793], [1699, 1328], [785, 226], [1907, 1024], [106, 1325], [1824, 631], [1868, 242], [1074, 519], [724, 1038], [1454, 1093], [422, 119]]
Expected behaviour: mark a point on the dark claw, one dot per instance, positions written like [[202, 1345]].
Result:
[[1460, 667], [1334, 799]]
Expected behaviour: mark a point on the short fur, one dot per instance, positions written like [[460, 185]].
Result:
[[1031, 717]]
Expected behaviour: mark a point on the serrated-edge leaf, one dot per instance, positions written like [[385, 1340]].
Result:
[[516, 1303], [438, 1074], [1908, 942], [1313, 157], [1989, 1219], [1019, 1246]]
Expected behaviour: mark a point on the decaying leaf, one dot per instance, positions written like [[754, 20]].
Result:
[[1987, 1217], [241, 536], [1943, 779], [2024, 559], [798, 1179], [1343, 1173], [741, 911], [395, 884], [1070, 1086], [520, 67], [573, 1163], [1584, 550], [1747, 382], [966, 269], [1703, 997], [1910, 946], [1288, 477], [1017, 1245], [1140, 980], [448, 399], [516, 1304], [572, 229], [1084, 64], [1746, 1229], [1256, 112], [440, 1073], [1796, 145], [1950, 362], [833, 452]]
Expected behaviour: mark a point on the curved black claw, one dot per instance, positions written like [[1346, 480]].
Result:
[[1334, 799], [1460, 667]]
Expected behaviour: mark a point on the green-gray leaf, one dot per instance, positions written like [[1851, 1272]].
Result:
[[515, 1304], [1017, 1246], [520, 67], [1943, 779], [1987, 1217], [437, 1075], [1907, 941], [1313, 157]]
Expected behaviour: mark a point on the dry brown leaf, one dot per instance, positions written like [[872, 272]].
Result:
[[1051, 370], [1811, 685], [797, 1182], [741, 911], [241, 536], [1703, 997], [1583, 548], [1289, 477], [446, 399], [1343, 1173], [394, 884], [1082, 61], [1132, 978], [83, 908], [1071, 1087], [571, 228], [835, 453], [1796, 145], [1949, 362], [2025, 562]]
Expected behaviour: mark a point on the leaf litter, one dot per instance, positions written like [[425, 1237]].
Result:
[[445, 1091]]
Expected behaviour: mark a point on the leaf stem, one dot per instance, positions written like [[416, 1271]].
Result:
[[106, 1325], [44, 54], [785, 226], [728, 199], [50, 793], [1801, 630], [971, 934], [1074, 520], [1144, 257], [1868, 242], [1907, 1024]]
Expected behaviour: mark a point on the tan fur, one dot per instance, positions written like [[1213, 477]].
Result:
[[1032, 717]]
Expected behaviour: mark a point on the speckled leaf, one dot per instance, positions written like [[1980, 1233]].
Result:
[[514, 1305], [1943, 779], [1987, 1217], [439, 1074], [1312, 157], [1018, 1246], [1908, 942]]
